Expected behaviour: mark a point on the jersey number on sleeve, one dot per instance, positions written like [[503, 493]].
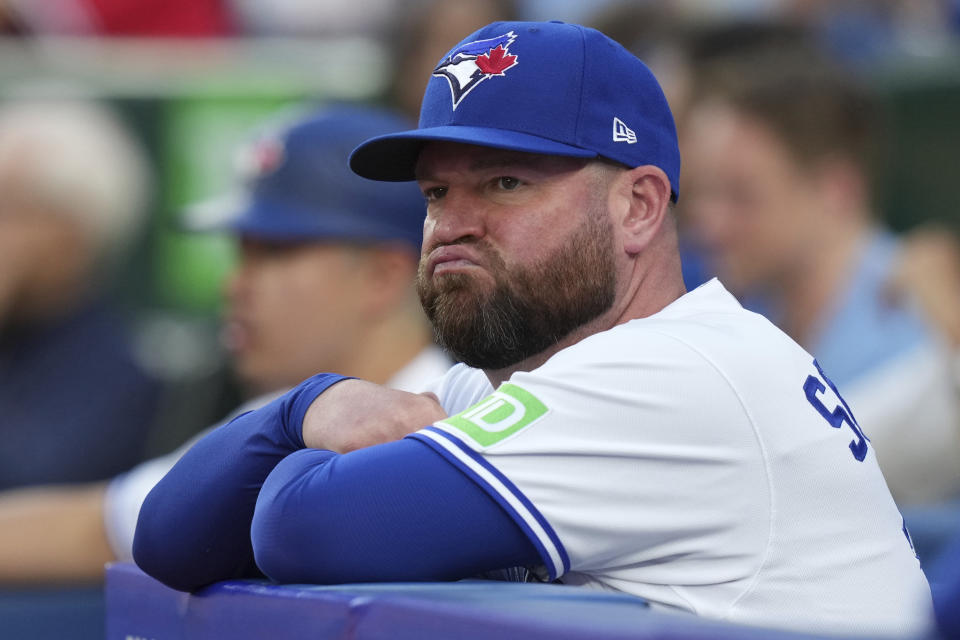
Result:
[[816, 385]]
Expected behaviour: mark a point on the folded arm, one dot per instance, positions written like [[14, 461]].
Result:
[[393, 512], [194, 527]]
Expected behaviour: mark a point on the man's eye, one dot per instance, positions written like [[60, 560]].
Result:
[[507, 183], [434, 193]]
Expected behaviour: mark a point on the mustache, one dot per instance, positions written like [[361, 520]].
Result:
[[489, 255], [481, 244]]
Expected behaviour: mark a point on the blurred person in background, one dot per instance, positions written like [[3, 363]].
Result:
[[778, 199], [929, 268], [73, 195], [325, 280], [676, 42], [870, 32]]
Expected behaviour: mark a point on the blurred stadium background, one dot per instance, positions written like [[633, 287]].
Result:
[[193, 78]]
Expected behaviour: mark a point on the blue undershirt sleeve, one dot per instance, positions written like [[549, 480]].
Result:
[[194, 526], [393, 512]]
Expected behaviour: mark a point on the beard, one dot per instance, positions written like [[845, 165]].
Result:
[[530, 309]]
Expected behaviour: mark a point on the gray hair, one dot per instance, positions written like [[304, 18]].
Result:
[[74, 157]]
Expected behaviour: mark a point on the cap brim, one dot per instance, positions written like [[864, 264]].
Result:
[[237, 213], [277, 221], [213, 215], [393, 157]]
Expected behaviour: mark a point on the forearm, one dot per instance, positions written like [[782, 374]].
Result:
[[393, 512], [53, 534], [194, 527]]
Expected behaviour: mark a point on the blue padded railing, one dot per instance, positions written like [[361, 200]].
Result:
[[139, 608]]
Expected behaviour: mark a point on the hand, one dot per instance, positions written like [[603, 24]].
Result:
[[354, 414], [928, 271]]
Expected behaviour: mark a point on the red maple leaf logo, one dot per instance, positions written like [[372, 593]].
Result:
[[496, 61], [267, 157]]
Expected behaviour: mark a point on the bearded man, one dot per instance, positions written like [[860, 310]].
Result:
[[605, 428]]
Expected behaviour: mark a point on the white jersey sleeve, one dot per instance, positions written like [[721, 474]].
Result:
[[459, 388], [697, 458]]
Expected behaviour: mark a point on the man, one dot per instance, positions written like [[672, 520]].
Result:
[[66, 222], [605, 428], [778, 197], [324, 280]]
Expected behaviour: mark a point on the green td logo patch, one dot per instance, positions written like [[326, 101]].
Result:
[[500, 415]]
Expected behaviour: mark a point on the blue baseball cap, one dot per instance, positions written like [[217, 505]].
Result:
[[298, 186], [538, 87]]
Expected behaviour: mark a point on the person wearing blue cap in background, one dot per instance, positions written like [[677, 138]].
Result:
[[325, 255], [604, 428], [327, 263]]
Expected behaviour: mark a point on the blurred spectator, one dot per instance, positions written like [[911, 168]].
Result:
[[654, 32], [327, 260], [929, 270], [864, 33], [871, 31], [324, 283], [425, 33], [675, 41], [143, 18], [75, 405], [777, 146]]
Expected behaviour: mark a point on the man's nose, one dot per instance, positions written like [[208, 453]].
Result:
[[456, 218]]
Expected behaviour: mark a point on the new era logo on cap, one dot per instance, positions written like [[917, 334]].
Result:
[[623, 133]]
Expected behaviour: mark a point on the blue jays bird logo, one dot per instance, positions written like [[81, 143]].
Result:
[[470, 64]]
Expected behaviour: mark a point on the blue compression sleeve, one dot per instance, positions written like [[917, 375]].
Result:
[[194, 527], [393, 512]]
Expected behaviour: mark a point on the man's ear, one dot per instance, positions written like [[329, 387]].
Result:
[[644, 197]]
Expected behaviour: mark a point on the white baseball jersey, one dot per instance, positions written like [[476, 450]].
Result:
[[697, 458]]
